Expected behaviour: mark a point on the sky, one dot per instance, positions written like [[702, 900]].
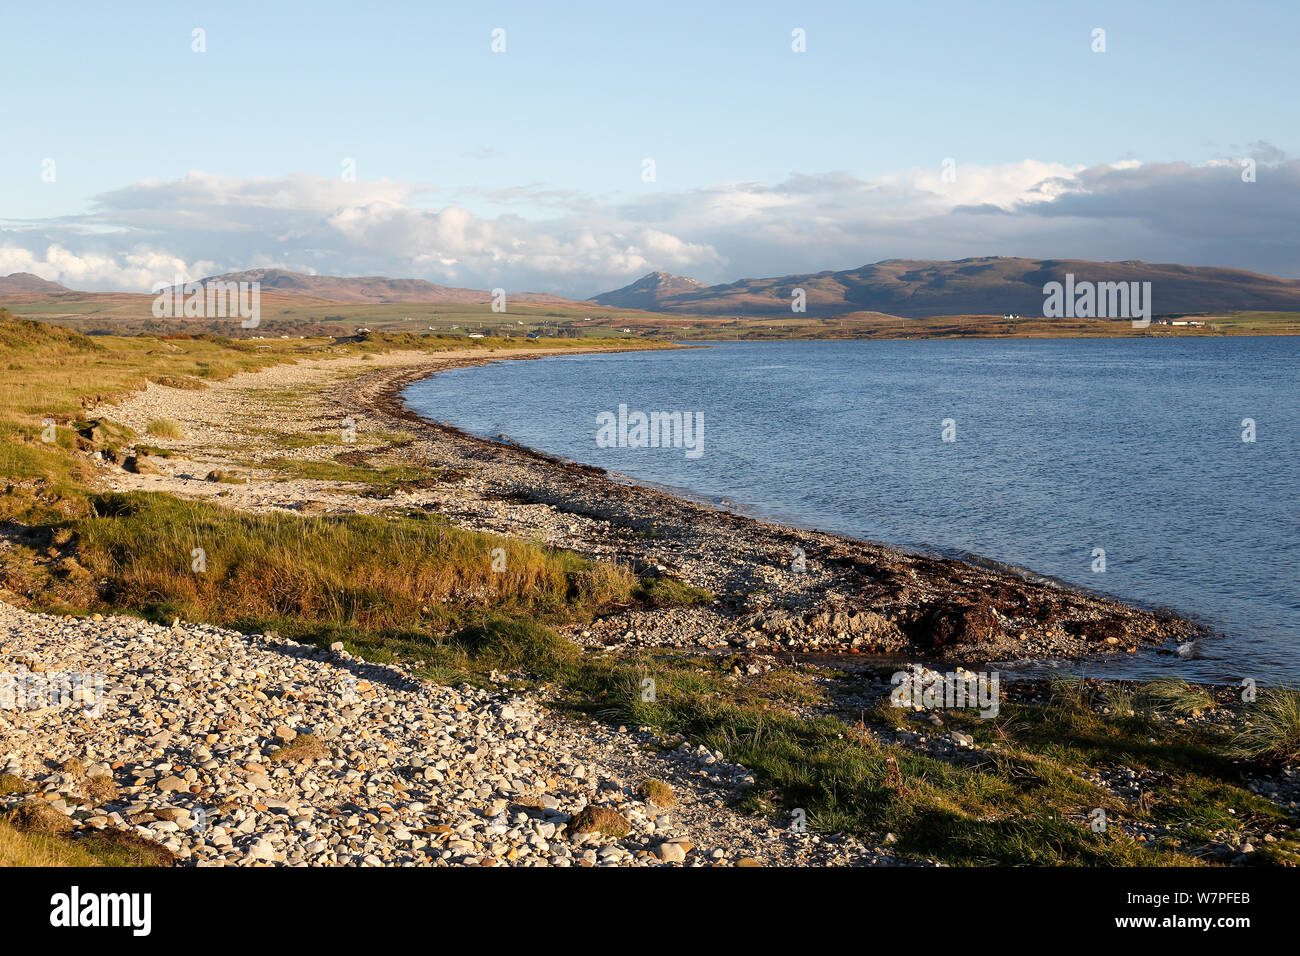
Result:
[[598, 141]]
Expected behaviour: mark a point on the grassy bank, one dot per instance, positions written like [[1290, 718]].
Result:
[[53, 374], [388, 574]]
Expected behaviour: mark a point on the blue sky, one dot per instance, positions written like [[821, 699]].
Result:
[[526, 166]]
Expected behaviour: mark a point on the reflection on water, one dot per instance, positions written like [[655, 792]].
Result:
[[1063, 449]]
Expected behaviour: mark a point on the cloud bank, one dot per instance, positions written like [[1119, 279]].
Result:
[[535, 239]]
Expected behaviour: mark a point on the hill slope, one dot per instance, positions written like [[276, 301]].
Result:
[[22, 283], [372, 289], [992, 285], [650, 292]]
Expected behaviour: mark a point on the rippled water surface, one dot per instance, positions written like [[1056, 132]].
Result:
[[1062, 447]]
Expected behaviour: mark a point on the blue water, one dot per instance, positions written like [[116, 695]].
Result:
[[1062, 446]]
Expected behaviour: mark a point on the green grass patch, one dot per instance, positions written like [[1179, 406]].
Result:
[[168, 557], [664, 591]]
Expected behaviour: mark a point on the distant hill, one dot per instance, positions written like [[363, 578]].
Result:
[[651, 292], [374, 289], [993, 285], [24, 283]]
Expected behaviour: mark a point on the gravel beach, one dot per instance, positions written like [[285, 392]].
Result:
[[195, 727]]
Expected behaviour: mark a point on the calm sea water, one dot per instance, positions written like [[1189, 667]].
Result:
[[1062, 447]]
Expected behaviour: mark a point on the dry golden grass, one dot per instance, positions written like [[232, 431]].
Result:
[[601, 820], [37, 816], [10, 784], [99, 789], [356, 570], [164, 428], [113, 848], [36, 849], [302, 748], [657, 792]]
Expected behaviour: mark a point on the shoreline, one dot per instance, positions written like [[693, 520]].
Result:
[[1074, 622], [854, 598]]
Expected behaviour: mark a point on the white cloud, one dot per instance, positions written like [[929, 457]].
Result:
[[578, 245]]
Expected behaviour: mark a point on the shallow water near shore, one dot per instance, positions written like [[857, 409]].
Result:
[[1062, 447]]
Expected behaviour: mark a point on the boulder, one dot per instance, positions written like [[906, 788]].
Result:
[[141, 465], [959, 622]]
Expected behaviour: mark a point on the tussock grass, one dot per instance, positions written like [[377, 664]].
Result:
[[11, 784], [1170, 696], [1119, 700], [164, 428], [375, 573], [100, 789], [1068, 691], [668, 592], [37, 816], [33, 849], [657, 792], [601, 820], [112, 848], [1273, 728], [302, 748]]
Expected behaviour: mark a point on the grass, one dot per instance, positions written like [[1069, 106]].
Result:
[[10, 785], [37, 816], [1174, 697], [601, 820], [164, 428], [302, 749], [101, 848], [385, 477], [663, 591], [99, 789], [657, 792], [1273, 728], [313, 575]]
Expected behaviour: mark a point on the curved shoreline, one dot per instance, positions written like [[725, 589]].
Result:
[[856, 596]]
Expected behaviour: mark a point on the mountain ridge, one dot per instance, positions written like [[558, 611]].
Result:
[[910, 288], [989, 285]]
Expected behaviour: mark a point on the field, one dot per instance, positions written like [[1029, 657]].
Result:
[[297, 315]]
